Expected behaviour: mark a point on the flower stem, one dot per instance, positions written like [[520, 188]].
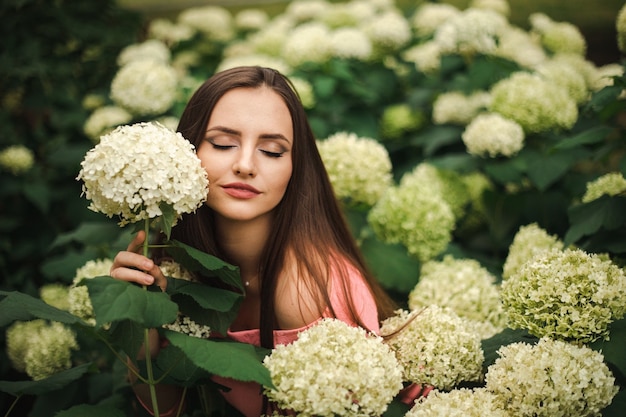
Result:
[[13, 405], [146, 336]]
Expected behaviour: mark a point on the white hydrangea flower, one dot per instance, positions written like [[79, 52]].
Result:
[[349, 14], [359, 168], [305, 91], [426, 56], [564, 37], [464, 286], [461, 402], [215, 22], [584, 67], [304, 10], [350, 43], [605, 74], [416, 216], [454, 107], [472, 31], [145, 87], [251, 19], [620, 26], [168, 32], [104, 119], [55, 295], [78, 295], [493, 135], [520, 46], [334, 369], [449, 184], [566, 295], [435, 346], [610, 184], [309, 42], [136, 168], [551, 379], [567, 76], [17, 159], [40, 348], [535, 103], [388, 32], [429, 16], [271, 39], [171, 122], [254, 59], [151, 49], [529, 241]]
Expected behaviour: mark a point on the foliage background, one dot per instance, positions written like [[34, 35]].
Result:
[[54, 53]]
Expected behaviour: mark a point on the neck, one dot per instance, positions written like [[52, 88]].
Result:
[[243, 243]]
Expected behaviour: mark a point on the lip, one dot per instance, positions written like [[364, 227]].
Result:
[[240, 190]]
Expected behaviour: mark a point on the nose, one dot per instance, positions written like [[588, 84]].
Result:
[[244, 164]]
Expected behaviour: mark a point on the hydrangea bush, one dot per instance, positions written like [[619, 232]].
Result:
[[497, 144]]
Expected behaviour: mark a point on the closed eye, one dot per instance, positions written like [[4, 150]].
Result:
[[272, 154], [221, 147]]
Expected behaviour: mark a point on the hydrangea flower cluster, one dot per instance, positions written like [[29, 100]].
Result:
[[145, 87], [78, 295], [449, 184], [493, 135], [104, 119], [500, 6], [454, 107], [551, 379], [464, 286], [559, 37], [425, 56], [470, 32], [348, 42], [566, 75], [529, 241], [215, 22], [435, 346], [459, 402], [334, 369], [17, 159], [429, 16], [309, 42], [55, 295], [359, 168], [399, 119], [534, 102], [520, 46], [171, 33], [416, 216], [389, 31], [565, 295], [40, 348], [610, 184], [151, 49], [251, 19], [137, 168]]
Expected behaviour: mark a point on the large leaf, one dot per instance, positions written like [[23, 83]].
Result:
[[613, 349], [91, 411], [391, 264], [90, 233], [204, 304], [52, 383], [506, 337], [545, 169], [197, 261], [593, 135], [228, 359], [128, 335], [19, 306], [588, 218], [114, 300]]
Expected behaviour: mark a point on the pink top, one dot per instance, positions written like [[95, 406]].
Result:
[[247, 396]]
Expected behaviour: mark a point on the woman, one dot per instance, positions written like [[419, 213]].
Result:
[[272, 212]]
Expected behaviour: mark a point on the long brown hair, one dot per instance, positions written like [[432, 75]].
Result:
[[309, 223]]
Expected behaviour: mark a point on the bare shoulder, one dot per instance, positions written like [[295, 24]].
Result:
[[298, 300]]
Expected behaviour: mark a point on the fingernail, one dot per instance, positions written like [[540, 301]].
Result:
[[149, 280]]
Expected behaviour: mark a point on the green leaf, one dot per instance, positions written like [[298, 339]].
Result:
[[195, 260], [204, 304], [544, 170], [52, 383], [594, 135], [89, 233], [588, 218], [506, 337], [436, 137], [228, 359], [91, 411], [396, 409], [19, 306], [167, 218], [128, 335], [613, 349], [180, 370], [391, 264], [114, 300]]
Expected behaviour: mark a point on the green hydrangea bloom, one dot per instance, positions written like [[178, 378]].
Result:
[[610, 184]]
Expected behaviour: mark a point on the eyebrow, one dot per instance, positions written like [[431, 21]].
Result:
[[268, 136]]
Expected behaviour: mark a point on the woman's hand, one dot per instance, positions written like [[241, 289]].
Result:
[[131, 266]]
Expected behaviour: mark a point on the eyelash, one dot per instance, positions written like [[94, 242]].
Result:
[[268, 153]]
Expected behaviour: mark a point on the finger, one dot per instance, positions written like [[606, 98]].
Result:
[[136, 244], [132, 267]]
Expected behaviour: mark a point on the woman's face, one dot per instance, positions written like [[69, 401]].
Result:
[[247, 153]]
